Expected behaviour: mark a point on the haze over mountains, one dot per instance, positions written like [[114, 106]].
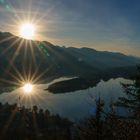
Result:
[[34, 57]]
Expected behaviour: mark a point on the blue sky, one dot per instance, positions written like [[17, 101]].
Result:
[[112, 25]]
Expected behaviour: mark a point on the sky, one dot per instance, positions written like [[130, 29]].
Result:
[[107, 25]]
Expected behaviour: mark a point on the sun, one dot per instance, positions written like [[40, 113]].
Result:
[[28, 87], [27, 30]]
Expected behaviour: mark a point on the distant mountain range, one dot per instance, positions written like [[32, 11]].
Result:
[[51, 61]]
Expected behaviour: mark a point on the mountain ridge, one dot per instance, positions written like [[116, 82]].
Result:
[[55, 61]]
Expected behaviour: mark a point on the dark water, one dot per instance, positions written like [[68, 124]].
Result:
[[73, 105]]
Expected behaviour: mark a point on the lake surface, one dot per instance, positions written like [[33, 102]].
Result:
[[73, 105]]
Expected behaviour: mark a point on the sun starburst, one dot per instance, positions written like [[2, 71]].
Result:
[[28, 87], [27, 30]]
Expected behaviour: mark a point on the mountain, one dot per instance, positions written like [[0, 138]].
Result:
[[36, 58], [102, 59]]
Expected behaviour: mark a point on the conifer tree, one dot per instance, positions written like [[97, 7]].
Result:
[[132, 99]]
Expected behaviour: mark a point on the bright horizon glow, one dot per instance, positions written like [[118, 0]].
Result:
[[28, 87], [27, 30]]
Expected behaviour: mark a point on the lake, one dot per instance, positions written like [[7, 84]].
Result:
[[73, 105]]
